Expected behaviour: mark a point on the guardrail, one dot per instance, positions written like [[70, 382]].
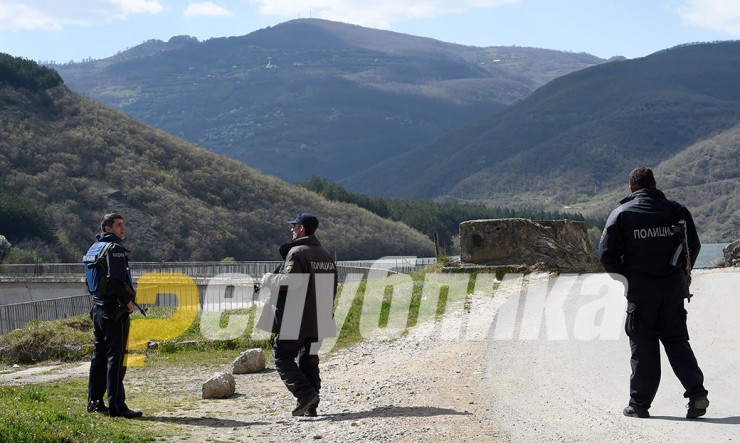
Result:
[[208, 269], [15, 316], [18, 315], [192, 269]]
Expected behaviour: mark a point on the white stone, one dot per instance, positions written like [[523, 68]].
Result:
[[249, 361]]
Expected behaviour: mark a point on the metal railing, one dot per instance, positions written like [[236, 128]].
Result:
[[207, 269], [18, 315], [192, 269]]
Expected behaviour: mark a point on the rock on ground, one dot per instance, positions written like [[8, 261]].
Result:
[[219, 386], [249, 361]]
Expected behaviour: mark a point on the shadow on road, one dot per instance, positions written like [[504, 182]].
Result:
[[720, 421], [202, 421], [392, 411]]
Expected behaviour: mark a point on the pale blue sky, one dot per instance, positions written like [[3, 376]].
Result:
[[65, 30]]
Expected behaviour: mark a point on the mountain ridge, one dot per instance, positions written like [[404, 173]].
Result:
[[575, 139], [311, 97], [77, 160], [403, 126]]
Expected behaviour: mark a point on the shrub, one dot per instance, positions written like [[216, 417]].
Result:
[[4, 247]]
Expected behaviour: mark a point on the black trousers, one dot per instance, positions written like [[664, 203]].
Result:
[[650, 320], [297, 367], [106, 367]]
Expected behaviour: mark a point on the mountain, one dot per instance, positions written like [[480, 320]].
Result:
[[574, 140], [76, 160], [313, 97], [706, 178]]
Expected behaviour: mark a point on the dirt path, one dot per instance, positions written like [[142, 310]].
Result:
[[43, 374], [411, 389], [369, 396]]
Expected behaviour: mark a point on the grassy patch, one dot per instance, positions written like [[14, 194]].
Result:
[[68, 339], [56, 413], [419, 297]]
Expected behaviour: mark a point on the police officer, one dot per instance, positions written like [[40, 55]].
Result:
[[112, 302], [639, 242], [299, 311]]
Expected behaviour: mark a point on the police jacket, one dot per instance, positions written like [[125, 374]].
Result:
[[639, 243], [302, 291], [120, 288]]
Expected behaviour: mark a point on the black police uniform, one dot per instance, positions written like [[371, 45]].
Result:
[[111, 329], [299, 312], [639, 243]]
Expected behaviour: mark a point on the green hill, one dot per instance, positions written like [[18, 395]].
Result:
[[74, 160], [571, 143], [312, 97]]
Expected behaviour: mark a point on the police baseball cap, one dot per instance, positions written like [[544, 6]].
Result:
[[306, 219]]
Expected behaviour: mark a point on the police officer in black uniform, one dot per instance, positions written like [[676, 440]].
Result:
[[112, 303], [640, 243], [300, 311]]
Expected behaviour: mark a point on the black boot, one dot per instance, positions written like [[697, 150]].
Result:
[[304, 404], [697, 407], [97, 406]]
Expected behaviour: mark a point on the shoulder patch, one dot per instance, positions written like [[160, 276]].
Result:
[[288, 267]]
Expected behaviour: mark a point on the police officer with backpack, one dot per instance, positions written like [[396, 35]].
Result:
[[641, 243], [109, 281]]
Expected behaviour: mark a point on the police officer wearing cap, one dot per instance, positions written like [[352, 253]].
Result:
[[300, 311], [640, 243]]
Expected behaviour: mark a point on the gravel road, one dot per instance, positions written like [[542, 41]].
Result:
[[574, 390]]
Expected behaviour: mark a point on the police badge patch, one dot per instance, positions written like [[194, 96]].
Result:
[[288, 267]]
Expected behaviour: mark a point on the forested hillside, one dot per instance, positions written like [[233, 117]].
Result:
[[313, 97], [442, 219], [72, 160], [571, 144]]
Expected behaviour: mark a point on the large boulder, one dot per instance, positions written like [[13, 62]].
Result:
[[221, 385], [559, 245], [732, 254], [249, 361]]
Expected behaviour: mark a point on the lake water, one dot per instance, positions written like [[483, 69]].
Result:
[[709, 254]]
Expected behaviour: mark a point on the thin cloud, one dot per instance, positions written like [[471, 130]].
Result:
[[138, 6], [206, 9], [17, 17], [717, 15], [48, 15], [380, 13]]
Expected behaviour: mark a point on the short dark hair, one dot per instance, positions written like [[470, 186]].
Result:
[[109, 219], [641, 178]]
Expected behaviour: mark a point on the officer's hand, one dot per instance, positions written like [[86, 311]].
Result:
[[130, 306]]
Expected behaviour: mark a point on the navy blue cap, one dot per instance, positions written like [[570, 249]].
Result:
[[306, 219]]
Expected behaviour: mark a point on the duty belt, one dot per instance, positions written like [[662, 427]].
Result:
[[98, 302]]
